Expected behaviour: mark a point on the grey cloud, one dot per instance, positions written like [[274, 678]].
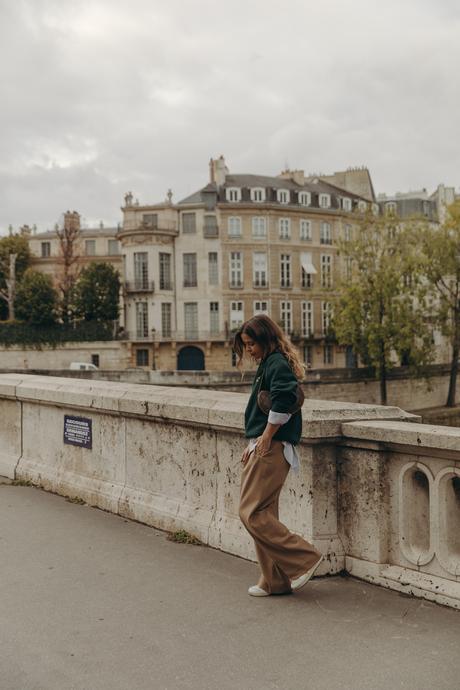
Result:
[[102, 97]]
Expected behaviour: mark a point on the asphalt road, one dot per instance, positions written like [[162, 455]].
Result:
[[91, 601]]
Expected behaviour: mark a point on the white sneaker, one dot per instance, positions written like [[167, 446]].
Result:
[[302, 580], [256, 591]]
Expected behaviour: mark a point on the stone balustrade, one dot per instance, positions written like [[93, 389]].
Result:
[[377, 493]]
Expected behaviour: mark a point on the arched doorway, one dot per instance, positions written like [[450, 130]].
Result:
[[190, 357]]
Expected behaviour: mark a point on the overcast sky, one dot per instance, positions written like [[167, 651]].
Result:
[[102, 97]]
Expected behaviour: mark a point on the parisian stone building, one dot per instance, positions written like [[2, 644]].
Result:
[[243, 244], [240, 245]]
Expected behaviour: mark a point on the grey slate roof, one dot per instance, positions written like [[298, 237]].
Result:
[[245, 182], [92, 233]]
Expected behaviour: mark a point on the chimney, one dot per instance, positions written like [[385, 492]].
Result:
[[297, 176], [218, 171], [72, 221]]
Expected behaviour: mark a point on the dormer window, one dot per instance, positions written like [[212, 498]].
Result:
[[258, 194], [233, 194], [304, 198], [325, 200], [390, 207], [362, 206], [346, 203], [375, 209], [282, 196]]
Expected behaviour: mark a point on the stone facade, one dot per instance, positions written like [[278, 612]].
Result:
[[243, 244], [91, 244]]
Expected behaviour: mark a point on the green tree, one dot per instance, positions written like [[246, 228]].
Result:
[[97, 292], [441, 247], [18, 245], [381, 306], [36, 299]]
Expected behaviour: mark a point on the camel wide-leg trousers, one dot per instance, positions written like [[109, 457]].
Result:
[[282, 555]]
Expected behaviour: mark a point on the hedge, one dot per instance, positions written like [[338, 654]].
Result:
[[18, 333]]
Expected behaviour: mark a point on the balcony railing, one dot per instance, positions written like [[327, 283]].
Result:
[[211, 232], [139, 286], [179, 336]]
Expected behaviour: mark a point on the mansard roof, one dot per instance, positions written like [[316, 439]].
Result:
[[312, 185]]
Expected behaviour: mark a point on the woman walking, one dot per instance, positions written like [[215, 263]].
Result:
[[286, 560]]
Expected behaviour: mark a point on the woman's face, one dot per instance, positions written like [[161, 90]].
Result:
[[251, 347]]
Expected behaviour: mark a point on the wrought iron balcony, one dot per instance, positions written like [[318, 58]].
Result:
[[177, 336], [140, 286]]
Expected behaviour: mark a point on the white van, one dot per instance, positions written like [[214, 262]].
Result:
[[85, 366]]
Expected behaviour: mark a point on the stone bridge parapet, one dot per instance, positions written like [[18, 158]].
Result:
[[378, 494]]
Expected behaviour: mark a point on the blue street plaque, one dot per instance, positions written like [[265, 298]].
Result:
[[78, 431]]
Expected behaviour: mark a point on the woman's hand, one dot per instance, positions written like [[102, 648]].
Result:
[[263, 444], [245, 456]]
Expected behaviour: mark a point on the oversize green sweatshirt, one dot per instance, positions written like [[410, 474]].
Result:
[[280, 380]]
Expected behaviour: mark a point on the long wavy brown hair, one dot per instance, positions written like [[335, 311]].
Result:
[[266, 333]]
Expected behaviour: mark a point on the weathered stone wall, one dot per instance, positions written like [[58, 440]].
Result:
[[377, 494], [112, 355], [342, 385]]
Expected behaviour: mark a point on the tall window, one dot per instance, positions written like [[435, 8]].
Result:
[[46, 249], [90, 247], [210, 226], [213, 271], [236, 314], [259, 227], [326, 312], [191, 320], [308, 355], [307, 279], [259, 269], [307, 268], [307, 319], [165, 271], [261, 307], [214, 317], [328, 354], [286, 316], [188, 223], [284, 226], [348, 267], [236, 269], [325, 200], [142, 358], [234, 226], [285, 278], [347, 233], [304, 198], [326, 270], [325, 233], [305, 229], [166, 320], [141, 272], [113, 248], [190, 279], [150, 219], [142, 320]]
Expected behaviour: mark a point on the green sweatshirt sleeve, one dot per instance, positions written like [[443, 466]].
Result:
[[281, 382]]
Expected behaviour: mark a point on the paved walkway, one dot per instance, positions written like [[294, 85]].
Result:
[[91, 601]]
